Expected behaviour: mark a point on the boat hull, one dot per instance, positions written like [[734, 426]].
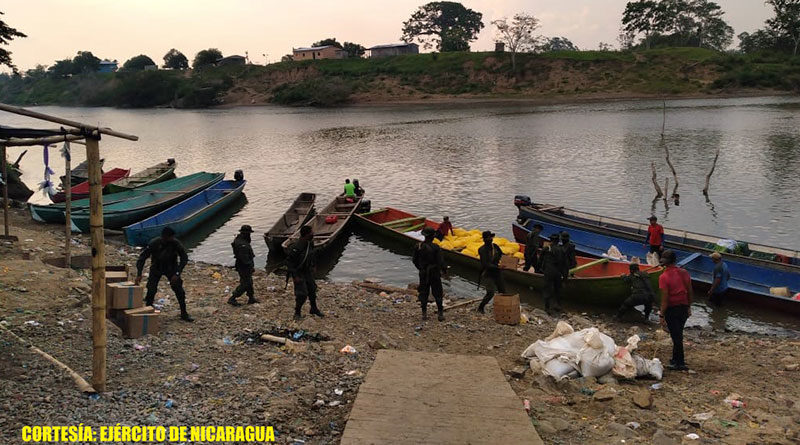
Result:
[[166, 172], [186, 215], [601, 285], [124, 213], [324, 233], [749, 282], [81, 191], [299, 213]]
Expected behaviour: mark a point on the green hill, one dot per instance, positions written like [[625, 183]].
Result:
[[552, 76]]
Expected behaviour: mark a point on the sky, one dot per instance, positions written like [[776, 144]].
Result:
[[121, 29]]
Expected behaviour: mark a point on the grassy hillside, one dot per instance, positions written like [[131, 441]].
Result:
[[672, 71]]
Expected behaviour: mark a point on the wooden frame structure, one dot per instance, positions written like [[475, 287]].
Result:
[[91, 135]]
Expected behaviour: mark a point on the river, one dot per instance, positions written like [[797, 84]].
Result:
[[468, 161]]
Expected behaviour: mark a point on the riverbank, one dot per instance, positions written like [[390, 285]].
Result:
[[213, 376], [557, 77]]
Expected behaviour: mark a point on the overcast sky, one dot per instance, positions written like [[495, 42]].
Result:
[[120, 29]]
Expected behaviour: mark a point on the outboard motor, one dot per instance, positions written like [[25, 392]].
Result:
[[238, 176], [522, 200], [365, 206]]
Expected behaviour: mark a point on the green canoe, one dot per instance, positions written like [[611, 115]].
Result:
[[152, 200], [151, 175], [54, 213]]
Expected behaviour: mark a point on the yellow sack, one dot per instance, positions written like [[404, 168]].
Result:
[[436, 241], [475, 232], [447, 245], [500, 241], [459, 243], [459, 231], [474, 246], [510, 248], [519, 255]]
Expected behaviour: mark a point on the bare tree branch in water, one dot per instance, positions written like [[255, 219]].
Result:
[[708, 176], [664, 120], [674, 173], [659, 193]]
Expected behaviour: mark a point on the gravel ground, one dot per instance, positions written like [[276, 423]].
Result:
[[208, 373]]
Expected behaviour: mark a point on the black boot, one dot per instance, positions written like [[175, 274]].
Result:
[[252, 300], [480, 308], [317, 312], [186, 317], [440, 316], [232, 301], [424, 313]]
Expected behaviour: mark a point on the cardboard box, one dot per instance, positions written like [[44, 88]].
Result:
[[124, 295], [506, 309], [140, 322], [117, 274], [509, 262]]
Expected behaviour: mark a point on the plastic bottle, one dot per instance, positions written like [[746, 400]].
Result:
[[527, 404]]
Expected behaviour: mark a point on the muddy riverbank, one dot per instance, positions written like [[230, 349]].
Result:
[[209, 373]]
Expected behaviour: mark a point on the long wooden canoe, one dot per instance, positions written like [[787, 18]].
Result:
[[54, 213], [81, 191], [751, 278], [151, 175], [325, 233], [595, 281], [129, 211], [186, 215], [79, 173], [301, 210]]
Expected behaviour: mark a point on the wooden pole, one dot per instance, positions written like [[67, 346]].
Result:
[[27, 142], [98, 265], [708, 176], [68, 209], [67, 122], [5, 189]]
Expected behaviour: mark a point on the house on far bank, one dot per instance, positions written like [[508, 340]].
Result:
[[393, 49], [107, 66], [231, 60], [318, 52]]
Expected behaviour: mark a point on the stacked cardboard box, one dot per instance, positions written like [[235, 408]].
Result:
[[124, 305], [506, 309], [140, 321]]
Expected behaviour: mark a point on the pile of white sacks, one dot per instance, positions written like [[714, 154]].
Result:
[[588, 353]]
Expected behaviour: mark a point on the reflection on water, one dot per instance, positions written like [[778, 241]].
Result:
[[468, 161]]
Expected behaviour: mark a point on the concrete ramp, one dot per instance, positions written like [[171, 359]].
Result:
[[427, 398]]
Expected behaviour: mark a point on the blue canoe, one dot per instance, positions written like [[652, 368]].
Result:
[[751, 278], [184, 216]]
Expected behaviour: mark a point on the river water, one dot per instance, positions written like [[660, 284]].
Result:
[[468, 161]]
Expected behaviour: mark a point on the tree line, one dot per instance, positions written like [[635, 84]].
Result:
[[450, 26]]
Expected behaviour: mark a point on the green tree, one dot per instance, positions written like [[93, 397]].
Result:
[[517, 35], [645, 17], [206, 57], [353, 50], [137, 63], [786, 21], [327, 42], [559, 44], [446, 26], [85, 62], [175, 60], [62, 68], [7, 34], [36, 73]]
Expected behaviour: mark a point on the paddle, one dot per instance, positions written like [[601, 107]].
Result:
[[588, 265]]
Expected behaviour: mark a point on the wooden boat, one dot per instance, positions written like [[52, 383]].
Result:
[[186, 215], [80, 173], [156, 198], [54, 213], [751, 277], [301, 210], [342, 209], [595, 281], [151, 175], [81, 191]]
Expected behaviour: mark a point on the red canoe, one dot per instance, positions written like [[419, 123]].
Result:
[[81, 191]]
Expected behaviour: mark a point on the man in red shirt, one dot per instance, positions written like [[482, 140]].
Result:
[[676, 300], [655, 236], [445, 228]]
